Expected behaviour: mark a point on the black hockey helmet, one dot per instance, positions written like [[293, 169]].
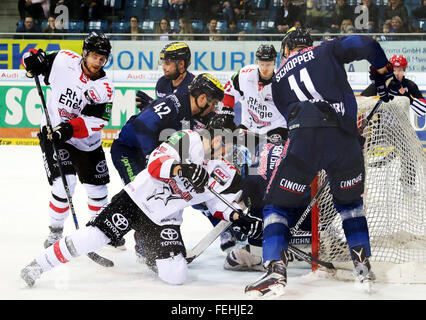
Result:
[[296, 38], [266, 52], [208, 84], [176, 51], [97, 43]]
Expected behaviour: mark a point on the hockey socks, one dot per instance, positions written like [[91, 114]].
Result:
[[82, 242], [276, 233], [355, 227]]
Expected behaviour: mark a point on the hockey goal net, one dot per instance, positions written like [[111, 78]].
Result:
[[394, 199]]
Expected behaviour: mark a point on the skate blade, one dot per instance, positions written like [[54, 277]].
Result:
[[275, 291], [116, 249], [366, 286]]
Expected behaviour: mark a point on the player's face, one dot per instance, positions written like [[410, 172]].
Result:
[[95, 62], [170, 69], [399, 73], [266, 69]]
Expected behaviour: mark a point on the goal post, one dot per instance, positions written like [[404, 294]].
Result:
[[394, 199]]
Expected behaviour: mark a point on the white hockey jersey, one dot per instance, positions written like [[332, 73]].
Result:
[[72, 91], [258, 111], [162, 198]]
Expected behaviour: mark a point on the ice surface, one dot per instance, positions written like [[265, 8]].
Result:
[[24, 194]]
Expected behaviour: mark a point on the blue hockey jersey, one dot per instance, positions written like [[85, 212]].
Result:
[[172, 112], [318, 74], [165, 87]]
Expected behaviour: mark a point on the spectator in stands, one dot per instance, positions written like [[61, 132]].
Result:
[[341, 12], [31, 8], [242, 9], [91, 10], [314, 16], [163, 28], [345, 24], [53, 26], [373, 15], [204, 10], [227, 11], [286, 16], [420, 11], [185, 27], [211, 29], [134, 29], [232, 29], [176, 9], [396, 8], [397, 25], [29, 26]]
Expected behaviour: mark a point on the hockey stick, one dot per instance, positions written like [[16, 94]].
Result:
[[92, 255], [207, 240], [301, 254]]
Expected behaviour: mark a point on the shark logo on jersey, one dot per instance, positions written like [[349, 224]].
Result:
[[165, 194], [169, 191]]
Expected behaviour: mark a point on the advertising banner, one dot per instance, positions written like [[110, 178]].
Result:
[[209, 56]]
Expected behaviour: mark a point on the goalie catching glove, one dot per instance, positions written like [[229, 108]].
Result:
[[380, 80], [196, 175], [247, 224]]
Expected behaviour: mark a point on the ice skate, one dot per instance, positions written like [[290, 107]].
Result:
[[241, 259], [31, 273], [227, 240], [272, 284], [363, 274], [54, 235]]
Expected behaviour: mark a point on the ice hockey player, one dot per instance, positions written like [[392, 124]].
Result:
[[176, 177], [142, 133], [249, 256], [401, 86], [251, 86], [176, 58], [79, 107], [312, 92]]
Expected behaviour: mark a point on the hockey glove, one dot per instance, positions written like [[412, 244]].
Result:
[[36, 63], [379, 81], [61, 133], [250, 225], [224, 119], [196, 175], [142, 100]]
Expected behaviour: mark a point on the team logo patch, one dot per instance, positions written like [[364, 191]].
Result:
[[101, 167], [63, 155], [169, 234], [120, 221]]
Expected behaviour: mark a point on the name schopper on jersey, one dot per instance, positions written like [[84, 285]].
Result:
[[74, 95], [259, 113], [162, 197]]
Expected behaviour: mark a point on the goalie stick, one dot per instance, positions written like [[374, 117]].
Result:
[[92, 255]]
